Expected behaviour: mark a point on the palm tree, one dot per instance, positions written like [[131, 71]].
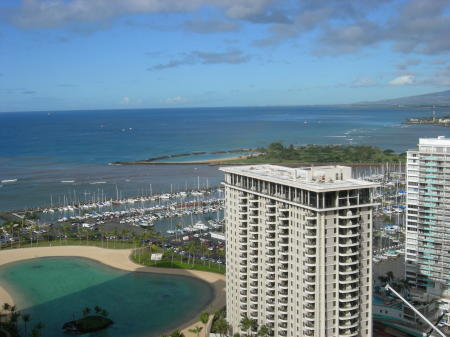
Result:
[[196, 330], [263, 331], [97, 309], [246, 324], [86, 311], [104, 313], [6, 306], [254, 325], [204, 317], [26, 318], [177, 333], [222, 326]]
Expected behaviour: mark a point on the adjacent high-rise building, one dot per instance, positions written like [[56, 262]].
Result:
[[299, 250], [428, 216]]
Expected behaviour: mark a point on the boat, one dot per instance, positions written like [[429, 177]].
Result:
[[5, 181], [67, 181]]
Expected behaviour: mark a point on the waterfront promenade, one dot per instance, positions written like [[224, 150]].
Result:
[[117, 258]]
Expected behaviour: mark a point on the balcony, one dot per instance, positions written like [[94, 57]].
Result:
[[243, 224], [254, 276], [283, 243], [243, 248], [347, 289], [348, 224], [310, 290], [270, 294], [348, 324], [310, 262], [254, 314], [310, 244], [348, 333], [311, 216], [270, 317], [310, 308], [310, 281], [284, 267], [309, 299], [283, 285], [283, 276], [349, 315], [348, 215], [283, 318], [349, 280], [283, 308], [348, 252], [254, 299], [270, 285], [348, 298], [344, 243], [243, 306], [348, 307], [348, 261], [284, 224], [348, 234], [270, 252], [270, 261], [311, 252], [348, 270], [284, 234]]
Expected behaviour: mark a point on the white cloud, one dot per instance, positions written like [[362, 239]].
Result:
[[402, 80], [176, 100], [130, 101]]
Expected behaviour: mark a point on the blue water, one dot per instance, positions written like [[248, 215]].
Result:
[[43, 148], [56, 290]]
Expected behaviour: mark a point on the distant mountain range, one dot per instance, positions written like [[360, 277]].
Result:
[[441, 98]]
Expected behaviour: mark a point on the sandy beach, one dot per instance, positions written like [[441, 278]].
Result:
[[117, 258]]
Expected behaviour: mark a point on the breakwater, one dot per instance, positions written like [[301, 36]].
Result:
[[158, 160]]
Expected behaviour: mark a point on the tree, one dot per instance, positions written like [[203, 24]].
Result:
[[246, 324], [263, 331], [222, 326], [204, 317], [196, 330], [86, 311], [26, 318], [177, 333], [97, 309], [104, 313]]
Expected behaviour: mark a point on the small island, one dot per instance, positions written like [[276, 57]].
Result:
[[88, 323], [431, 120]]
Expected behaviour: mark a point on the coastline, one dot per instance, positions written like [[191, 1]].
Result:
[[120, 259]]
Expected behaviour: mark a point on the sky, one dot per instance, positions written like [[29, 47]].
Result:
[[118, 54]]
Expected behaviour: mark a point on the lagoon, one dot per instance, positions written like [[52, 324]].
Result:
[[55, 290]]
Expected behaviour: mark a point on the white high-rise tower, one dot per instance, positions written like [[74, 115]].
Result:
[[299, 250]]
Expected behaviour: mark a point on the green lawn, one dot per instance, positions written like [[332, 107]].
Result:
[[178, 262]]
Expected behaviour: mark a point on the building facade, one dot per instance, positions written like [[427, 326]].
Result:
[[299, 250], [428, 216]]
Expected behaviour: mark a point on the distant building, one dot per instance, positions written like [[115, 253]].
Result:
[[428, 217], [299, 250]]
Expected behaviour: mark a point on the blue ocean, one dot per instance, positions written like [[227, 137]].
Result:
[[42, 149]]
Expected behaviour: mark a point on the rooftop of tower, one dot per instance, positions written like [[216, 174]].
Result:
[[316, 178]]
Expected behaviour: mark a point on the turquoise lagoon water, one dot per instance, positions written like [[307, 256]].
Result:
[[55, 290]]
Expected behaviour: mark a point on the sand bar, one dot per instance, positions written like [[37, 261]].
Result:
[[116, 258]]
